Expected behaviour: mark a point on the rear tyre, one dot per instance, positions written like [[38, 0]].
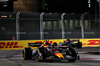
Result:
[[79, 45], [27, 54]]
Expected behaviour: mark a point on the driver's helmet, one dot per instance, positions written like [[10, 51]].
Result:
[[47, 43], [68, 40]]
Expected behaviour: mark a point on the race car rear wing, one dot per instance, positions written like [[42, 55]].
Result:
[[34, 44]]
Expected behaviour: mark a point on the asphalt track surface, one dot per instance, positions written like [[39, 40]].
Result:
[[14, 58]]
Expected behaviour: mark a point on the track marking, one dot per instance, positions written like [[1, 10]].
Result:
[[91, 58]]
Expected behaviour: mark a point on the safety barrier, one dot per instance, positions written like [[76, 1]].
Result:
[[99, 46], [13, 45], [90, 42]]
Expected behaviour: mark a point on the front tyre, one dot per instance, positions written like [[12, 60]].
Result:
[[71, 60], [73, 53], [79, 45]]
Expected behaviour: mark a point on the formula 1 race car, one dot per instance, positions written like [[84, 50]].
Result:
[[42, 53], [65, 51], [74, 42], [68, 49]]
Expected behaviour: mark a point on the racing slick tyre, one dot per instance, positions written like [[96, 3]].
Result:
[[79, 45], [27, 54], [72, 54], [43, 52]]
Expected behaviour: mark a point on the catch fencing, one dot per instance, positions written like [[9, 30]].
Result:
[[36, 26]]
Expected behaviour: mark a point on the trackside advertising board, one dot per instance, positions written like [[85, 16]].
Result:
[[14, 45], [99, 46], [90, 42]]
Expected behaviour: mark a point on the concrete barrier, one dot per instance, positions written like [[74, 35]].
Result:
[[13, 45], [90, 42], [99, 46]]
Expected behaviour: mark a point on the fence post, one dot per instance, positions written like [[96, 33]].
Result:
[[41, 26], [99, 10], [17, 26], [82, 26], [62, 24]]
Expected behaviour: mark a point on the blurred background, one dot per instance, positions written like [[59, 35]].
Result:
[[49, 19]]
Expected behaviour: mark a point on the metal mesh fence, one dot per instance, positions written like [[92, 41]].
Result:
[[91, 26], [91, 29], [72, 26], [7, 26], [30, 26], [52, 26]]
